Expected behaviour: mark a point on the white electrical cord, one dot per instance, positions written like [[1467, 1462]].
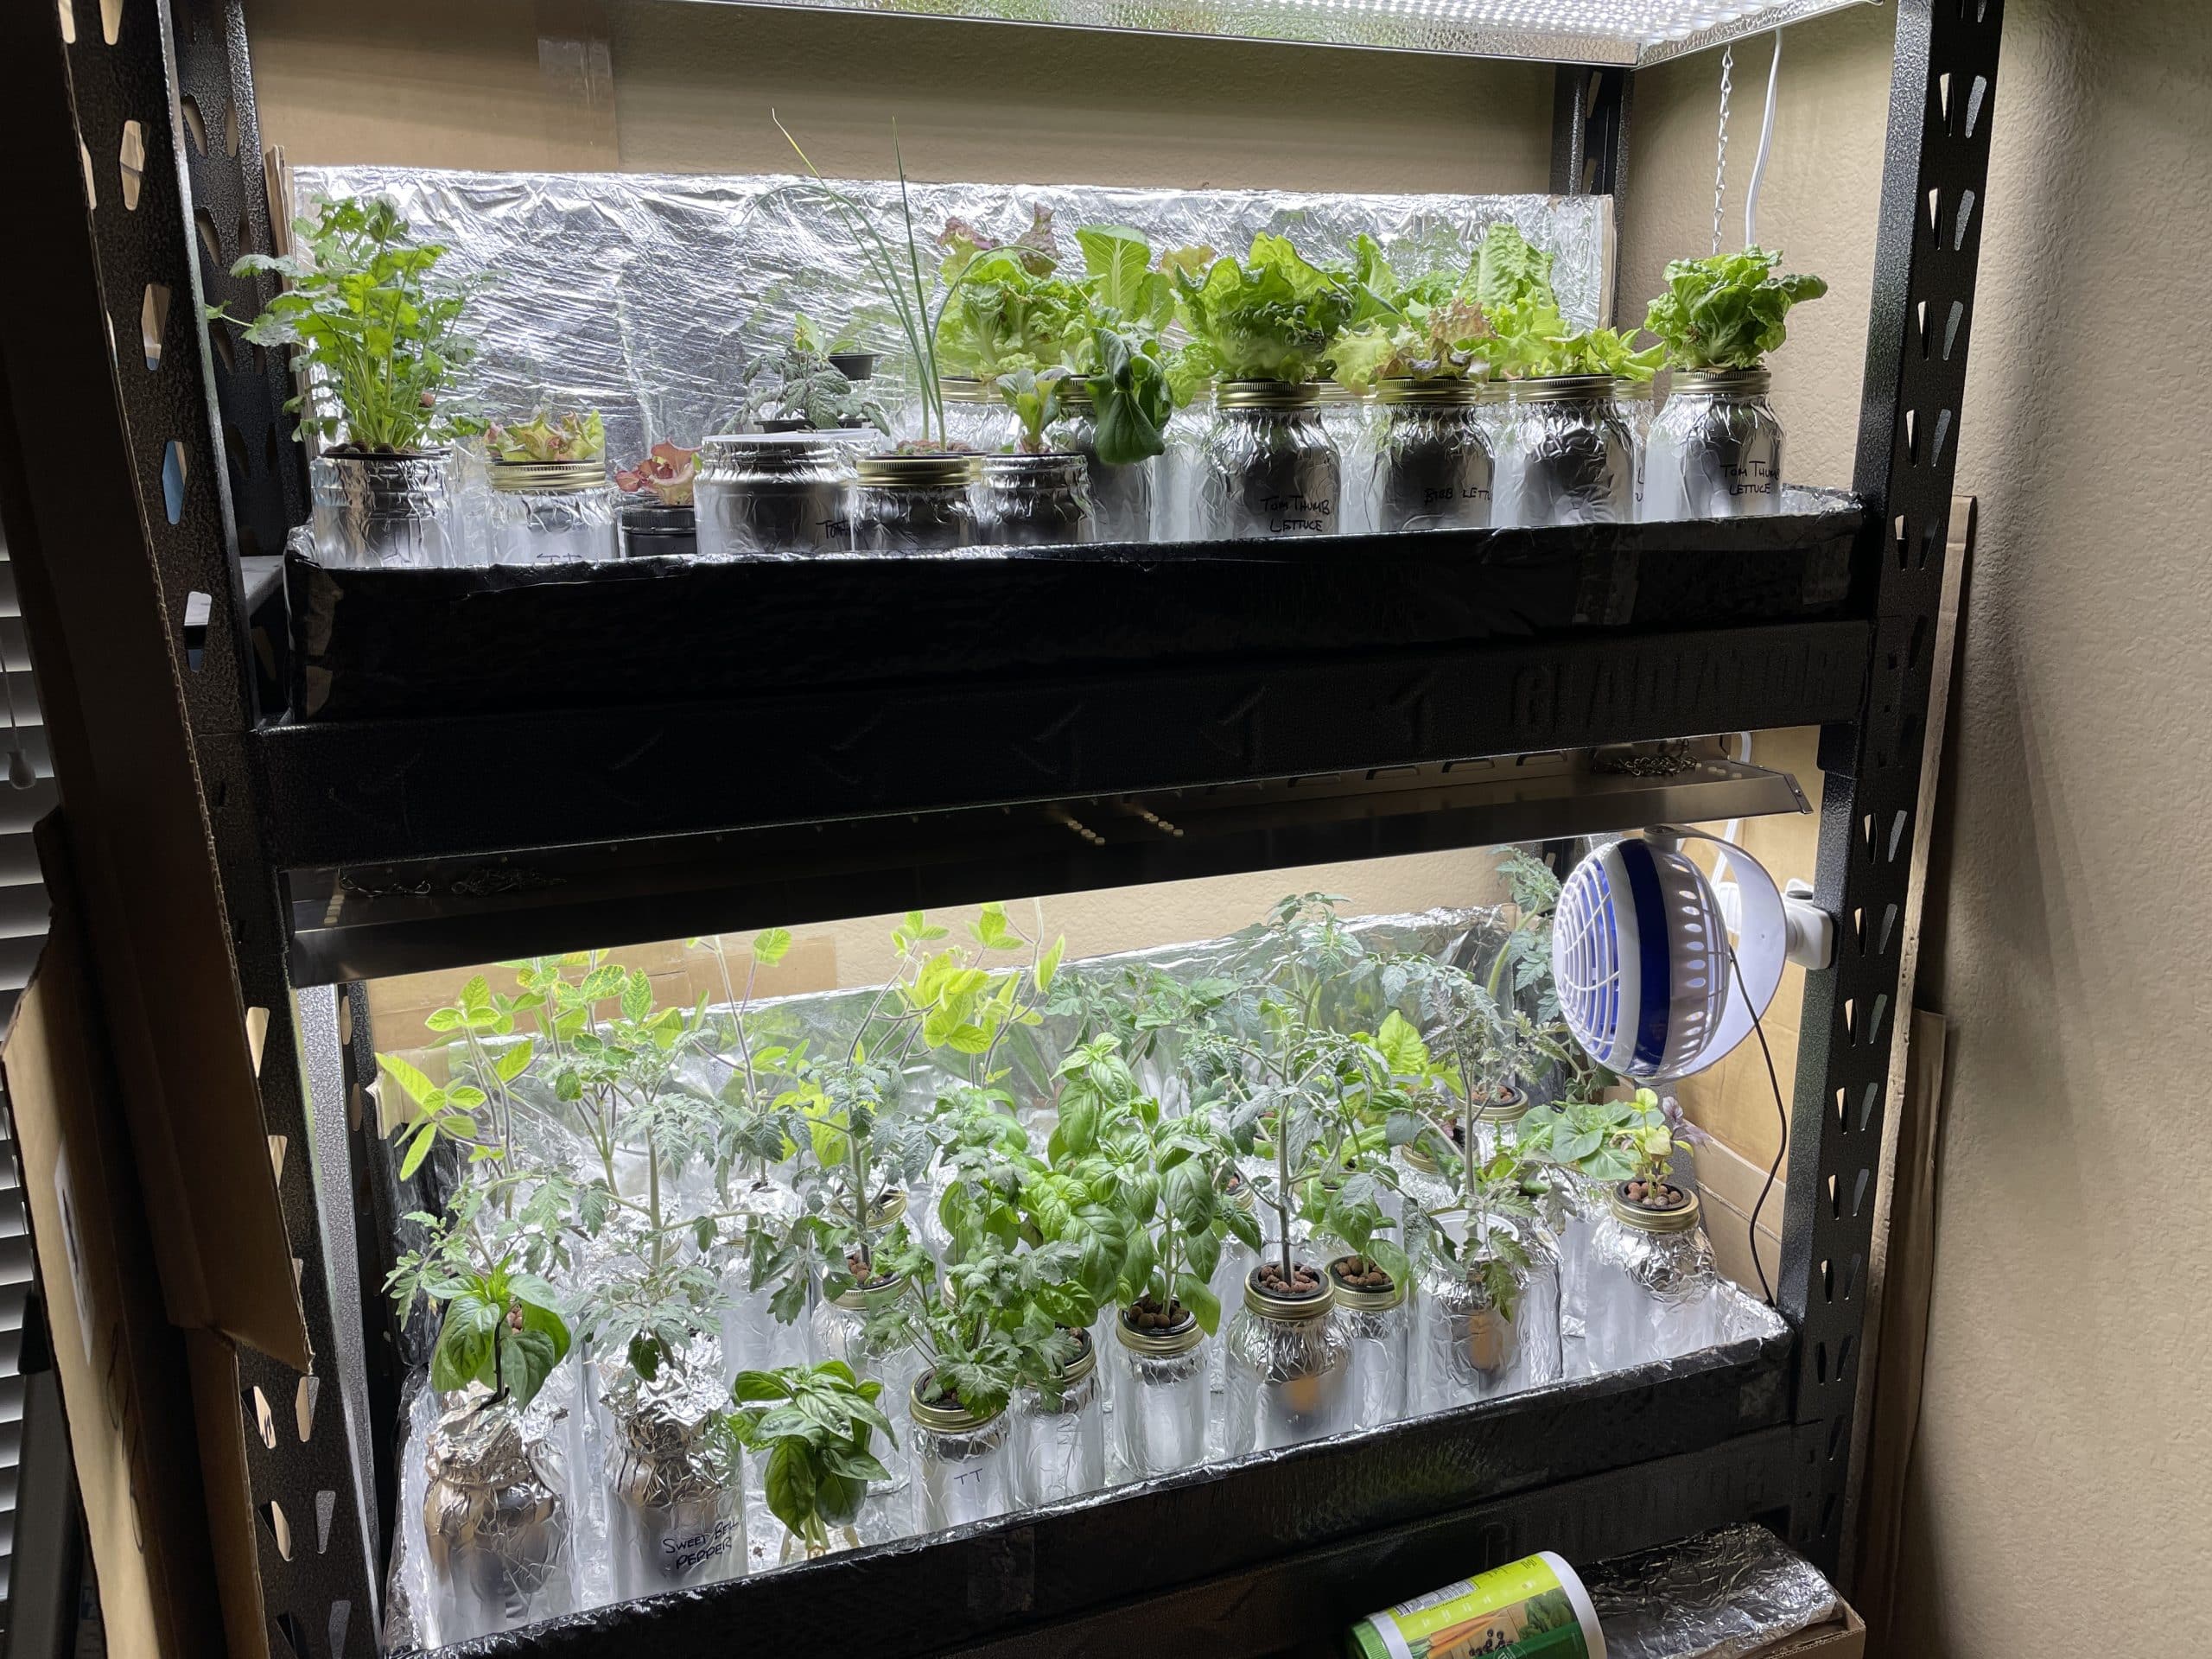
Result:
[[1766, 146]]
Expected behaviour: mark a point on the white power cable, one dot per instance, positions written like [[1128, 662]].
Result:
[[1766, 148]]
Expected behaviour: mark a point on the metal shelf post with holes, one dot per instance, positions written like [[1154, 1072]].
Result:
[[338, 852]]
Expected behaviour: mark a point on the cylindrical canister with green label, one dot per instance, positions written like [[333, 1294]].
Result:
[[1533, 1608]]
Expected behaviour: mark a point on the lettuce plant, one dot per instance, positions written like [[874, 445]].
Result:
[[1005, 309], [1124, 361], [666, 474], [1269, 316], [1427, 329], [544, 437], [378, 325], [1726, 312]]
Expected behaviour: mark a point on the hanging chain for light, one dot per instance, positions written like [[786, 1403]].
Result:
[[1720, 165]]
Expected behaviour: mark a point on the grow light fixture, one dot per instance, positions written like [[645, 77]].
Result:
[[1632, 33], [1648, 982]]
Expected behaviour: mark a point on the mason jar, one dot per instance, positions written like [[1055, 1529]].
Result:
[[1161, 1398], [1651, 1292], [1585, 1202], [651, 529], [841, 1332], [1471, 1336], [1375, 1321], [976, 417], [1348, 418], [1289, 1365], [1269, 468], [1236, 1260], [1061, 1440], [914, 504], [1121, 496], [1433, 458], [1175, 503], [753, 1338], [676, 1499], [496, 1516], [1035, 501], [1569, 457], [551, 512], [963, 1463], [1635, 400], [1715, 450], [383, 512], [771, 495]]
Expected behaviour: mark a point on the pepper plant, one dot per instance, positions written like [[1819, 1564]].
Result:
[[500, 1324]]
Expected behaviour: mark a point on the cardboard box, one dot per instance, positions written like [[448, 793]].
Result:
[[1838, 1638]]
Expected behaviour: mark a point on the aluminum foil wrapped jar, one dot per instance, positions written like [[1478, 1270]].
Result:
[[551, 512], [1268, 467], [1568, 459], [771, 495], [1060, 1438], [964, 1466], [1175, 501], [1371, 1307], [1289, 1368], [1121, 496], [1161, 1397], [382, 511], [1035, 501], [675, 1484], [753, 1338], [1348, 418], [1635, 400], [841, 1332], [1652, 1292], [1433, 458], [1484, 1330], [496, 1516], [914, 504], [1586, 1203], [976, 417], [1230, 1267], [1715, 450]]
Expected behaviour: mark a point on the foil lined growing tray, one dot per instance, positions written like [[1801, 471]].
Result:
[[1721, 1595], [643, 295]]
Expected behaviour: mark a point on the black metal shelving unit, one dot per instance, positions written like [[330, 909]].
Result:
[[351, 837]]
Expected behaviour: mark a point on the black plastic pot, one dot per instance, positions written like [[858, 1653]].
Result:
[[855, 365], [651, 529]]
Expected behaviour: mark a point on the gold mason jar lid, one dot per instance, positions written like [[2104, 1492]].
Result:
[[943, 1420], [1507, 1110], [1268, 394], [965, 389], [517, 477], [1365, 1299], [1718, 383], [858, 1296], [931, 470], [1629, 1213], [1565, 388], [1270, 1306], [1160, 1344], [1443, 390]]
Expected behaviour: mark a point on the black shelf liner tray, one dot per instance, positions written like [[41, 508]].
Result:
[[412, 644]]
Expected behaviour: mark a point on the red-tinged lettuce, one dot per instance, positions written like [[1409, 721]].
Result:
[[666, 474], [1269, 316], [1726, 312], [1427, 329]]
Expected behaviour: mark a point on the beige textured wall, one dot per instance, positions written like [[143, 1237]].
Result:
[[430, 83], [2061, 1431]]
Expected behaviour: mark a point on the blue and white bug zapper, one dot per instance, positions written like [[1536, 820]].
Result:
[[1649, 980]]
